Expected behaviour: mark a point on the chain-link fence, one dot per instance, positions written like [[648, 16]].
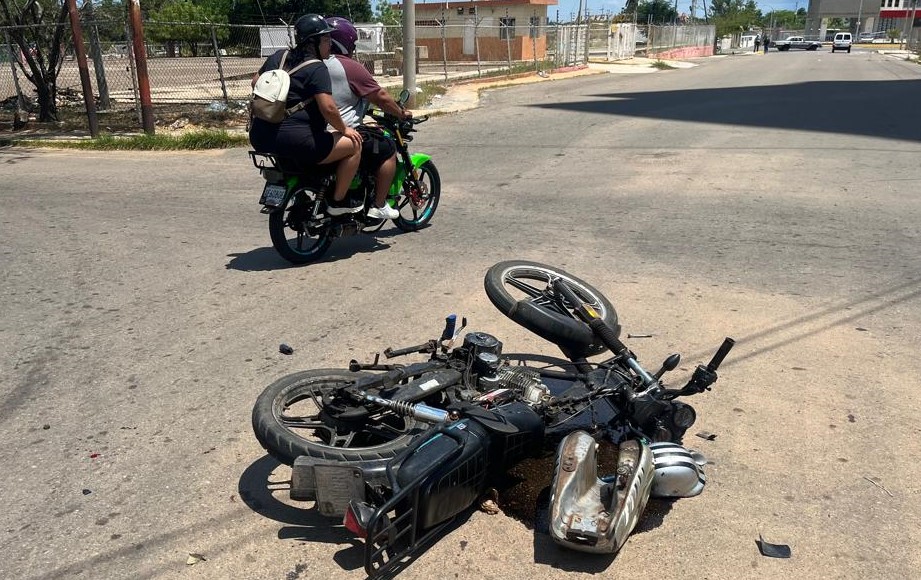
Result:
[[676, 41], [205, 69]]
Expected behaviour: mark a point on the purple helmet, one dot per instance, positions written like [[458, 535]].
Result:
[[344, 35]]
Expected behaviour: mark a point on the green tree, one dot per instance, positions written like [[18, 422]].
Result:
[[392, 19], [182, 21], [656, 12], [40, 32]]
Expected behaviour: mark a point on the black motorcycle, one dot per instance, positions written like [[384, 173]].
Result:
[[295, 197], [398, 450]]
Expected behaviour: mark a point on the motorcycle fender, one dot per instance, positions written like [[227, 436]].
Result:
[[332, 484], [290, 186], [589, 514], [418, 159]]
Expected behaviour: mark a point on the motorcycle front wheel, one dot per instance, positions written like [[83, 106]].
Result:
[[289, 421], [417, 203], [292, 238], [523, 291]]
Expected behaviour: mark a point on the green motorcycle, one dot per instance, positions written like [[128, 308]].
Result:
[[295, 198]]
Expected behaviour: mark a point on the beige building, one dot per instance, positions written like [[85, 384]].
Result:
[[494, 30]]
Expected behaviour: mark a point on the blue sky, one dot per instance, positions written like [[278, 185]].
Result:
[[567, 7]]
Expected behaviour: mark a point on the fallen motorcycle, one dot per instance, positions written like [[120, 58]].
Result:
[[398, 450], [295, 197]]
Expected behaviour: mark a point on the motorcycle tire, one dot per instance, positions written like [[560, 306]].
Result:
[[538, 310], [422, 213], [301, 249], [287, 437]]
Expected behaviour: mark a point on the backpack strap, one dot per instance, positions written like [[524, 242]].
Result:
[[300, 106]]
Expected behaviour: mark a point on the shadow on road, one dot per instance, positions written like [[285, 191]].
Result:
[[266, 259], [867, 108]]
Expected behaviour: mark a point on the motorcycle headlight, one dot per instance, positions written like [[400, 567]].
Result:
[[683, 416]]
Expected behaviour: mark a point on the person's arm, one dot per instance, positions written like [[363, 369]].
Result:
[[382, 99], [330, 112]]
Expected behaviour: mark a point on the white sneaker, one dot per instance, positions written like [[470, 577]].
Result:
[[383, 213]]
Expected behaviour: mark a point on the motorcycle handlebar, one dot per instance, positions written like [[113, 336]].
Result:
[[717, 359]]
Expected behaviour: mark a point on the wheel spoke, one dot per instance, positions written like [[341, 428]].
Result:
[[524, 287], [344, 441]]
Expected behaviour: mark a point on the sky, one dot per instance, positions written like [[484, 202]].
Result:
[[567, 7]]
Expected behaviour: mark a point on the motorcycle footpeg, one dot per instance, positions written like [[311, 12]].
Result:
[[590, 514]]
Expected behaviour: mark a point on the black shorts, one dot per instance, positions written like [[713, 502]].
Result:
[[376, 147]]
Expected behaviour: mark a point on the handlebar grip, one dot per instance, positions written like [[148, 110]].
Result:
[[717, 359], [607, 335], [602, 330]]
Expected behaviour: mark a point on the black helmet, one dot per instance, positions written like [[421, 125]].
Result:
[[310, 26]]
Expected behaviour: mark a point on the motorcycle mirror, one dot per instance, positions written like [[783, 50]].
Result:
[[670, 364], [404, 97]]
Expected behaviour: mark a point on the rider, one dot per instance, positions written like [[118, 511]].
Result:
[[353, 87], [303, 136]]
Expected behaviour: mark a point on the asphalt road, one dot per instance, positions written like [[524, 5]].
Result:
[[771, 198]]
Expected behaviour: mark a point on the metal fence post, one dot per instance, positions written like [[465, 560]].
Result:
[[88, 99], [129, 53], [220, 68], [96, 55], [444, 46], [508, 43], [476, 39]]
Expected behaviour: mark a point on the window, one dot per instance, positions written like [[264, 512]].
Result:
[[471, 10], [533, 26], [506, 28], [460, 10]]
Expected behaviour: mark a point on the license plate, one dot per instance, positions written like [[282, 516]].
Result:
[[272, 195]]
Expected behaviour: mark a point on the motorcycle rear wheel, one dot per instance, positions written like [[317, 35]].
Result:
[[417, 207], [303, 247], [287, 422], [522, 291]]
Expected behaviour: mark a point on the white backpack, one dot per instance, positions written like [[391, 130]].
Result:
[[270, 93]]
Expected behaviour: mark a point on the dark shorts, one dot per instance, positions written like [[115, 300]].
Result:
[[375, 147], [291, 139]]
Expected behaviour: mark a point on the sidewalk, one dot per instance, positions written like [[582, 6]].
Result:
[[465, 95]]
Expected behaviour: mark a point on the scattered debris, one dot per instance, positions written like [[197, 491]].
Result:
[[86, 491], [706, 435], [285, 349], [861, 329], [773, 550], [179, 123], [879, 485], [94, 455], [490, 501], [194, 559], [639, 336], [851, 418], [46, 426]]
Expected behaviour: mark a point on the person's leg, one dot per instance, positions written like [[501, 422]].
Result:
[[384, 177], [348, 155]]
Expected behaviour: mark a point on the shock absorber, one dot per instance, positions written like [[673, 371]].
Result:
[[418, 411]]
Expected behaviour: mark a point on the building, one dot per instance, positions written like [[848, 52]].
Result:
[[487, 30], [863, 16]]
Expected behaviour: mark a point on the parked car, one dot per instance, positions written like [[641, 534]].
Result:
[[842, 41], [796, 42]]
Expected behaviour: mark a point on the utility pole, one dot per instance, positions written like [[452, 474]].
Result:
[[409, 50], [859, 15]]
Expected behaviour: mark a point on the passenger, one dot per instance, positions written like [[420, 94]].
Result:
[[353, 88], [302, 136]]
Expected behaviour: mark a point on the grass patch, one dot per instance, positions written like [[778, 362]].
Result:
[[662, 65], [192, 140]]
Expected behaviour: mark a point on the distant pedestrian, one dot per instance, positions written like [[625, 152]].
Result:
[[767, 43], [757, 43]]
